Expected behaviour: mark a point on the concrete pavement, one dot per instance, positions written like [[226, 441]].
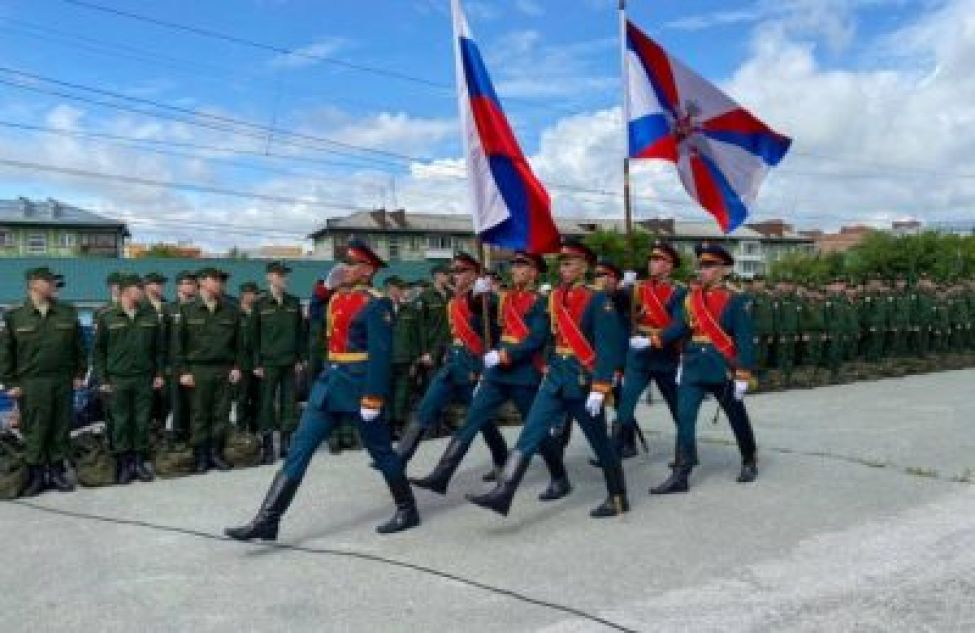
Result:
[[862, 520]]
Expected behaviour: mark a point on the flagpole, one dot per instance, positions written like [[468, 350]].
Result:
[[627, 199]]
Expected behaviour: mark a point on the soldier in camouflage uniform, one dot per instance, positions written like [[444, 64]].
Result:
[[42, 358], [247, 391], [128, 361], [925, 316], [407, 350]]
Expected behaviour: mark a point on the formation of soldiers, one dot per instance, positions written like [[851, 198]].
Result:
[[808, 335], [373, 367]]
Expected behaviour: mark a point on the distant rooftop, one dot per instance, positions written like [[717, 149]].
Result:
[[53, 212], [399, 220]]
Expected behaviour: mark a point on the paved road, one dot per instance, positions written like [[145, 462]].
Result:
[[861, 521]]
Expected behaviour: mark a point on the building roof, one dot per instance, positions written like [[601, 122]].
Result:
[[53, 212], [85, 277], [400, 220]]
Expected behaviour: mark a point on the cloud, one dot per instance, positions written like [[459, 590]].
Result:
[[714, 19], [306, 55], [530, 7]]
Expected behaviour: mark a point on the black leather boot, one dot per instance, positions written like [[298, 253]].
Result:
[[749, 471], [499, 499], [267, 449], [264, 526], [615, 441], [285, 445], [143, 472], [438, 480], [559, 485], [616, 502], [628, 441], [491, 475], [35, 482], [406, 515], [216, 458], [58, 478], [678, 480], [124, 474], [202, 459], [412, 435]]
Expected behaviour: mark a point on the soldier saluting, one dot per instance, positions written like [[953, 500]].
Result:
[[580, 374], [718, 359], [354, 384]]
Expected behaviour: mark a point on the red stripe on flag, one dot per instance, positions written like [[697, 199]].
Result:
[[665, 149], [657, 63], [741, 121], [496, 135], [543, 235], [708, 192]]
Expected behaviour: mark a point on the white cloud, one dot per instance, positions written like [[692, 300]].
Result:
[[530, 7], [308, 55]]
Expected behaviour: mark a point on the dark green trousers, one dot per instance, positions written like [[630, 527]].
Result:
[[45, 416], [248, 395], [278, 391], [131, 406], [210, 404], [401, 388]]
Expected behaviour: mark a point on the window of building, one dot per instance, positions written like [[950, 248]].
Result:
[[36, 243], [440, 242], [394, 253], [67, 240], [751, 249], [105, 240], [7, 239]]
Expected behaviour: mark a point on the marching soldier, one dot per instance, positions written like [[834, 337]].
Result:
[[579, 379], [187, 287], [406, 353], [209, 351], [654, 305], [128, 360], [512, 373], [248, 390], [278, 335], [717, 360], [355, 383], [471, 313], [42, 359]]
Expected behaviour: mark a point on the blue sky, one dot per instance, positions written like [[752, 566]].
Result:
[[555, 63]]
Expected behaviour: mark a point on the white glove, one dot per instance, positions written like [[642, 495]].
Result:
[[639, 342], [482, 285], [680, 372], [492, 358], [741, 387], [368, 415], [594, 404], [629, 278]]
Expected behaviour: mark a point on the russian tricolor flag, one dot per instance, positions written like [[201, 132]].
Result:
[[511, 207], [722, 152]]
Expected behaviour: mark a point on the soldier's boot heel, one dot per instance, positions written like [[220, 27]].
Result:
[[58, 478], [616, 502], [406, 515], [499, 499], [439, 479], [267, 449], [264, 526], [35, 482], [676, 483], [749, 471]]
